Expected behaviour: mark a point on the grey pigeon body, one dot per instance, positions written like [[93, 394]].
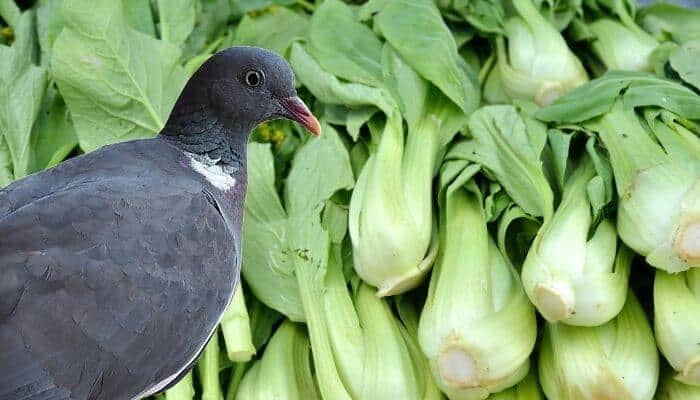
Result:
[[116, 266]]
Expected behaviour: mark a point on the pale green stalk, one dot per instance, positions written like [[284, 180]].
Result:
[[676, 322], [235, 327]]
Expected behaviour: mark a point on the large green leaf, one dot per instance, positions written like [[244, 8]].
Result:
[[5, 164], [119, 84], [416, 30], [343, 46], [176, 19], [22, 87], [272, 30]]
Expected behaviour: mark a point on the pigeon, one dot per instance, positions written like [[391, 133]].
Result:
[[116, 266]]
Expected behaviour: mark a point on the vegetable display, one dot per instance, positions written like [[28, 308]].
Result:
[[504, 203]]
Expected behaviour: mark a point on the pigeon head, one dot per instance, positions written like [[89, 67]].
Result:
[[241, 87]]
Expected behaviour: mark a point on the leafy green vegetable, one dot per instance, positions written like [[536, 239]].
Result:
[[53, 135], [235, 327], [176, 19], [284, 371], [272, 30], [22, 87], [119, 84], [537, 64], [656, 161], [676, 302], [570, 275], [474, 297], [667, 21], [684, 61], [617, 360]]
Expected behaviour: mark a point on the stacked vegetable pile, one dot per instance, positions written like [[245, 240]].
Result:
[[505, 202]]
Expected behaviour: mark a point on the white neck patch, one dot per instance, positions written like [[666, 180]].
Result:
[[214, 173]]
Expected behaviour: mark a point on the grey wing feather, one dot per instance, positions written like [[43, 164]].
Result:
[[108, 285]]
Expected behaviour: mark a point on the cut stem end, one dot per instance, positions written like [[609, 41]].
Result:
[[555, 302], [458, 368]]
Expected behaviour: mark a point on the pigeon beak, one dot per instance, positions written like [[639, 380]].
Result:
[[297, 111]]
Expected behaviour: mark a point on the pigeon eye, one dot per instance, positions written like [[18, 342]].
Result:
[[253, 78]]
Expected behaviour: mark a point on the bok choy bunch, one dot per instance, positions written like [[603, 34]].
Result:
[[536, 64], [358, 346], [619, 42], [391, 221], [654, 150], [676, 323], [475, 298], [617, 360], [284, 371], [572, 274]]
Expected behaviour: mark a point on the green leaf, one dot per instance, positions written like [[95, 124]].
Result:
[[667, 21], [343, 46], [559, 143], [119, 84], [22, 87], [329, 89], [246, 6], [636, 89], [176, 20], [5, 164], [10, 12], [418, 33], [320, 168], [502, 145], [53, 136], [485, 15], [272, 30], [139, 16], [685, 61], [49, 23]]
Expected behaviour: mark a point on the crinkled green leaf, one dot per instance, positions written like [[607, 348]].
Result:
[[176, 19], [559, 143], [119, 84], [22, 87], [418, 33], [272, 30], [343, 46], [685, 61]]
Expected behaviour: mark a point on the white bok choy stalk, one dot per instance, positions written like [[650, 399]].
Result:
[[391, 222], [357, 344], [618, 41], [676, 322], [654, 150], [570, 276], [536, 64], [284, 371], [475, 299], [614, 361]]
